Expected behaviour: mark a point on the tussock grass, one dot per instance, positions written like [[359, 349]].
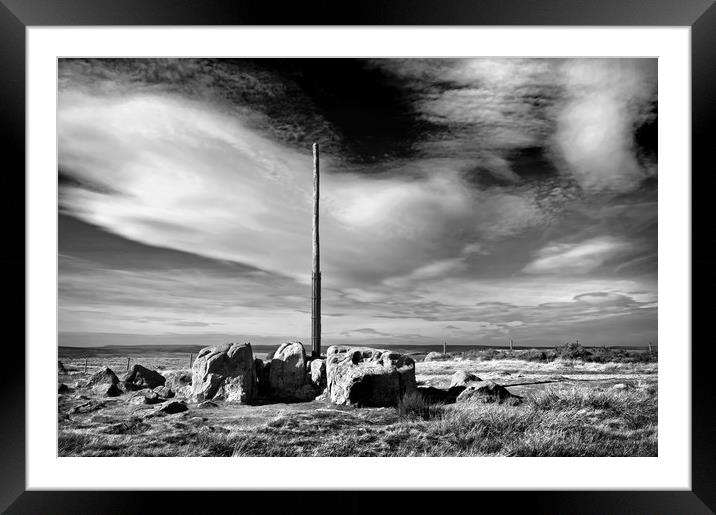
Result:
[[413, 405], [573, 421]]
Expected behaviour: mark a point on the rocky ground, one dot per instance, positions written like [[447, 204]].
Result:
[[566, 408]]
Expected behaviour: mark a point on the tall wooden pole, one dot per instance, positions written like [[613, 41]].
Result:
[[316, 270]]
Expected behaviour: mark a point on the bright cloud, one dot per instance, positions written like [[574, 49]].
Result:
[[579, 258]]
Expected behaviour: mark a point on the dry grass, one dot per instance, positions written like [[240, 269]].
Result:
[[572, 421], [569, 409]]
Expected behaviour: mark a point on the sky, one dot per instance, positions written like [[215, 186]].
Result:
[[472, 201]]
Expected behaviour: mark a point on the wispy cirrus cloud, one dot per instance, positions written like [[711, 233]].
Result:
[[511, 176]]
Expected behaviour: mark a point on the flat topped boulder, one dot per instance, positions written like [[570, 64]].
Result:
[[363, 376], [287, 372], [225, 373], [104, 376], [140, 377]]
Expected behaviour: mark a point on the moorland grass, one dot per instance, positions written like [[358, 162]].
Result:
[[558, 421]]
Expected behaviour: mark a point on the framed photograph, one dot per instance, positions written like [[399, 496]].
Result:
[[426, 248]]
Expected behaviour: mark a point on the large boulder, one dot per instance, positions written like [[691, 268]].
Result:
[[368, 377], [140, 377], [225, 373], [287, 373], [463, 378], [104, 376], [486, 391]]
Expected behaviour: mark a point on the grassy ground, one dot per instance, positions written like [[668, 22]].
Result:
[[569, 408]]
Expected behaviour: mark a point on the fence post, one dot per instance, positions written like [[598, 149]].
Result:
[[444, 347], [511, 346], [85, 365], [650, 350], [191, 356], [127, 363]]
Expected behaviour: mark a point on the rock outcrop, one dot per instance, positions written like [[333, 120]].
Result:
[[104, 376], [140, 377], [225, 373], [463, 378], [368, 377], [287, 373], [486, 391]]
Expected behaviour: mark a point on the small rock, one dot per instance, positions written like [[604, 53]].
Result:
[[486, 392], [132, 426], [164, 391], [146, 397], [463, 378], [63, 388], [61, 368], [106, 390], [140, 377], [86, 407], [318, 373], [207, 404], [622, 386], [173, 407], [104, 376]]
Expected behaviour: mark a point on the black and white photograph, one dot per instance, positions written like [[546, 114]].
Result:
[[344, 257]]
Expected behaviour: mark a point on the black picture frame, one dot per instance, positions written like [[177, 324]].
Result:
[[17, 15]]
